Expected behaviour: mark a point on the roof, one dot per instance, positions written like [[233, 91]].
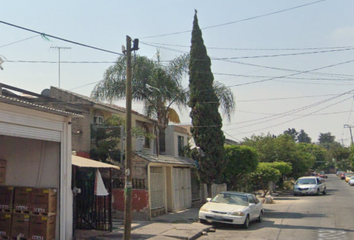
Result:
[[88, 163], [25, 104], [92, 100], [167, 159]]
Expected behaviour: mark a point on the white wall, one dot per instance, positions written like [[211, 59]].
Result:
[[30, 162]]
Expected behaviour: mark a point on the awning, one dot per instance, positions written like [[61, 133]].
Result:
[[85, 162]]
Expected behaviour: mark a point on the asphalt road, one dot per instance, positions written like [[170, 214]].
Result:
[[323, 217]]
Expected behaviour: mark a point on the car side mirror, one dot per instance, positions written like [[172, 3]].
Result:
[[208, 199]]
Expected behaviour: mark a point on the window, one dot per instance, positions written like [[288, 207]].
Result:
[[98, 120], [251, 199], [180, 146]]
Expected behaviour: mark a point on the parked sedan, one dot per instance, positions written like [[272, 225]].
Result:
[[348, 176], [351, 181], [232, 208]]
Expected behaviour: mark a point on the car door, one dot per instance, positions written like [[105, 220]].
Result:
[[252, 207], [320, 184]]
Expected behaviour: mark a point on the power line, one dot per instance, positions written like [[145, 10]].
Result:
[[287, 98], [35, 61], [18, 41], [276, 125], [256, 65], [288, 54], [238, 21], [248, 49], [59, 38], [287, 113]]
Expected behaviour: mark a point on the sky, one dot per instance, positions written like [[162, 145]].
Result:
[[289, 64]]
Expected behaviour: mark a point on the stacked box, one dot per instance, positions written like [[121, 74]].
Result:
[[20, 226], [42, 227], [2, 172], [5, 225], [23, 199], [6, 198], [44, 200]]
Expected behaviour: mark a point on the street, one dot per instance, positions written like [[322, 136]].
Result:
[[302, 217]]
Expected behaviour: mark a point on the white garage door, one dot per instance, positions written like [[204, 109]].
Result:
[[19, 125], [182, 197]]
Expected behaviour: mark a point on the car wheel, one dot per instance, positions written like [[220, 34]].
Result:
[[247, 222], [260, 218], [324, 192], [203, 221]]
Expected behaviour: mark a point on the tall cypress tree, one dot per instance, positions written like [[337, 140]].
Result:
[[206, 119]]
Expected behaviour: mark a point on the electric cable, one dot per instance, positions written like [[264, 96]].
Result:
[[18, 41], [59, 38], [238, 21]]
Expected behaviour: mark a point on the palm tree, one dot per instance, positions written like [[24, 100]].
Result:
[[158, 86]]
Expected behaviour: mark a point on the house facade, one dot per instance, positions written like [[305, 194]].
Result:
[[161, 184], [95, 113]]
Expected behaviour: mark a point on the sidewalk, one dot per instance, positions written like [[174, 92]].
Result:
[[180, 225]]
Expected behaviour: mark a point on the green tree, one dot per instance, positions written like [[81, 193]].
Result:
[[325, 139], [240, 162], [264, 145], [292, 132], [206, 119], [106, 139], [157, 86], [303, 137], [264, 175]]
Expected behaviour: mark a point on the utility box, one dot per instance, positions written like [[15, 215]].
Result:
[[23, 199], [20, 225], [5, 225], [6, 198], [3, 172], [42, 227], [44, 200]]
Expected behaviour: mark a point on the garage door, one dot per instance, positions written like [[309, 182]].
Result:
[[18, 125], [182, 197]]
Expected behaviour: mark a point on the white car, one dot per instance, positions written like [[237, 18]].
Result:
[[232, 208], [351, 181], [309, 186]]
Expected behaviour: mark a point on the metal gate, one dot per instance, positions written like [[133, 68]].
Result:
[[91, 211], [157, 185], [182, 197]]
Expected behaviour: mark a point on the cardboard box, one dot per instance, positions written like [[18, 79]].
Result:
[[5, 224], [20, 225], [6, 197], [44, 200], [3, 164], [42, 227], [23, 198]]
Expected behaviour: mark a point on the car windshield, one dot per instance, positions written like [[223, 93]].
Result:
[[231, 199], [306, 181]]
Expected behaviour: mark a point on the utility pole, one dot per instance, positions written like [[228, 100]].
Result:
[[128, 158], [59, 48], [350, 130]]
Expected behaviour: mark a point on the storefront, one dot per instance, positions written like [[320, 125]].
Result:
[[35, 142]]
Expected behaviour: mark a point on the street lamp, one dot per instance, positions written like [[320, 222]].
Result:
[[350, 130]]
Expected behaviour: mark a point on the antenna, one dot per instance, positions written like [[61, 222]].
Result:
[[59, 48]]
